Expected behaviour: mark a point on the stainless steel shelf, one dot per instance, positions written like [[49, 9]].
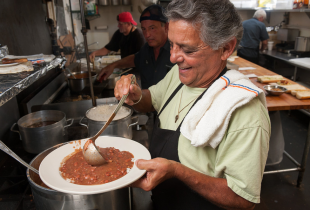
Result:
[[276, 10]]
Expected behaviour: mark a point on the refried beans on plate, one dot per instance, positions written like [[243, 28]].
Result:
[[75, 169]]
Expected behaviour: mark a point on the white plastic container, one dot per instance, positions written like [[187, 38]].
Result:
[[270, 45]]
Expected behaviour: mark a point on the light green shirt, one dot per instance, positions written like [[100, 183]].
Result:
[[241, 156]]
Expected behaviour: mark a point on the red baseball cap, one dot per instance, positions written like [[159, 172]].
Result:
[[126, 17]]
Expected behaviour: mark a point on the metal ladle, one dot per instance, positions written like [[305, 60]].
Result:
[[90, 151], [8, 151]]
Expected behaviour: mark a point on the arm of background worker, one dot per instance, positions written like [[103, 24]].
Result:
[[264, 45], [213, 189], [135, 93], [101, 52], [126, 62]]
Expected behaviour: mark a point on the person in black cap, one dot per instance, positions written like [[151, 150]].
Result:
[[153, 60]]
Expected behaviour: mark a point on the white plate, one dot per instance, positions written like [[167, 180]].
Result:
[[8, 64], [50, 175]]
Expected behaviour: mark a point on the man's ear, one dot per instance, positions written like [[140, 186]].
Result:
[[228, 49], [166, 27]]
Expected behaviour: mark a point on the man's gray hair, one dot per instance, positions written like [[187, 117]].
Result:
[[217, 20], [260, 14]]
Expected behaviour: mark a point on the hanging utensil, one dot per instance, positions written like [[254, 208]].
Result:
[[90, 151]]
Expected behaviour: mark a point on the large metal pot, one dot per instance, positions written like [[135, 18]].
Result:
[[49, 199], [302, 44], [111, 81], [81, 81], [120, 128], [115, 2], [126, 2], [38, 139], [104, 2]]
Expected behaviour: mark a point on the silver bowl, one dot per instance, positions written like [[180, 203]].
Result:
[[81, 81], [270, 89]]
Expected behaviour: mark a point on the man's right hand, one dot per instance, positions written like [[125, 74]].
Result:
[[92, 56], [123, 86], [105, 72]]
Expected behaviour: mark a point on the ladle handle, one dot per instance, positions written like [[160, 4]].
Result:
[[7, 150], [125, 71], [120, 104]]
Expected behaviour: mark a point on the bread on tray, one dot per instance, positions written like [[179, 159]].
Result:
[[303, 94], [270, 78]]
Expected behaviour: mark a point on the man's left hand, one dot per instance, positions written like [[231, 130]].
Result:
[[157, 171]]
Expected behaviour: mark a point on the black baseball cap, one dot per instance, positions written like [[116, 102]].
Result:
[[156, 13]]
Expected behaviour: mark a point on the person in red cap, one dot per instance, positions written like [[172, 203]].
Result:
[[129, 39]]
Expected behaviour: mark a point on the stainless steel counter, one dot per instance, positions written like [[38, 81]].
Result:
[[279, 55], [286, 58], [13, 84]]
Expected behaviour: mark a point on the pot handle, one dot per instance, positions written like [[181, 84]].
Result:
[[69, 123], [16, 131], [82, 123], [135, 123]]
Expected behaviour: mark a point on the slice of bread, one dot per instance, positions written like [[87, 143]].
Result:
[[270, 78], [295, 87], [303, 94], [293, 92]]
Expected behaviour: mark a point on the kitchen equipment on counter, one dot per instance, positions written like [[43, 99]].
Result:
[[81, 81], [90, 151], [111, 81], [49, 199], [42, 130], [149, 2], [104, 2], [126, 2], [81, 48], [115, 2], [120, 127], [275, 90], [113, 78], [8, 151], [287, 34], [302, 44], [287, 37]]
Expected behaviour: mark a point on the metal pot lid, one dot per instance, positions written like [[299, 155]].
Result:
[[103, 112]]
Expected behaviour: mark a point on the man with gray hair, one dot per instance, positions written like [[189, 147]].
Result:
[[254, 33], [210, 139]]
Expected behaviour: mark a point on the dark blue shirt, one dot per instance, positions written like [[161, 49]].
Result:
[[254, 32], [152, 71]]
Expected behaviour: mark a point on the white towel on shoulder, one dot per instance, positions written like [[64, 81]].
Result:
[[207, 121]]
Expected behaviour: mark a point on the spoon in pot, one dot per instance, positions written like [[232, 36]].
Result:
[[91, 153], [68, 70], [7, 150]]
